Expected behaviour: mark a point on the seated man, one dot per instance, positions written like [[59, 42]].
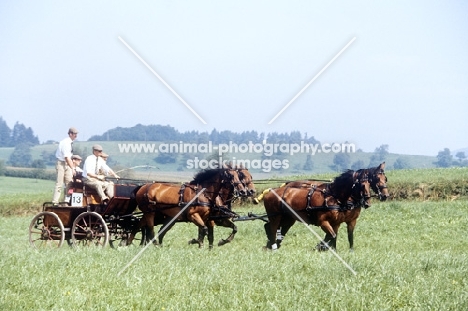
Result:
[[91, 177], [76, 159], [77, 182]]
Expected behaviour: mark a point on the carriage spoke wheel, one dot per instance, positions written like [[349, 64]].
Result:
[[89, 229], [46, 231]]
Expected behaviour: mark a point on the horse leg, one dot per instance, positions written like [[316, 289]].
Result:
[[286, 224], [202, 228], [321, 245], [271, 227], [210, 234], [350, 228], [330, 235], [166, 226], [200, 237], [229, 224], [270, 237], [142, 226]]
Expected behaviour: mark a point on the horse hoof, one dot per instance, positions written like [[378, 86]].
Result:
[[193, 241], [255, 201], [321, 248]]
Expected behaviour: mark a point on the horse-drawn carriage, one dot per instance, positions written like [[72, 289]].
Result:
[[199, 202], [84, 220]]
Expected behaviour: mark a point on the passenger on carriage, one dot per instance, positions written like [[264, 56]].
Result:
[[92, 177], [107, 170], [76, 159]]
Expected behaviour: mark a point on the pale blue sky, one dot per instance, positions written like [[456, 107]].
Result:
[[402, 82]]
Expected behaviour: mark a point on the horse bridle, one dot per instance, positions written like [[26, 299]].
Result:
[[375, 185], [360, 179], [244, 183]]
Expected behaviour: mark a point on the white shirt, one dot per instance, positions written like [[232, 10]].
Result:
[[90, 165], [64, 149]]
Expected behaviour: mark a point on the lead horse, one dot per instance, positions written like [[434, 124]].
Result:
[[378, 183], [162, 202], [319, 205]]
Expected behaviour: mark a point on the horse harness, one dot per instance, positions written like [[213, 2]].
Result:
[[181, 197], [210, 203], [328, 193]]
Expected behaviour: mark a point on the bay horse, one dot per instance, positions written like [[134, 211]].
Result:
[[160, 202], [319, 205], [378, 183], [221, 213]]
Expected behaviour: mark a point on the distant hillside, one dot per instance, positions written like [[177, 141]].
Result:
[[152, 163]]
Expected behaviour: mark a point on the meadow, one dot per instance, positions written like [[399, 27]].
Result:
[[409, 255]]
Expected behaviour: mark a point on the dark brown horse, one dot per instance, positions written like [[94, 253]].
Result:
[[161, 202], [221, 214], [378, 183], [319, 205]]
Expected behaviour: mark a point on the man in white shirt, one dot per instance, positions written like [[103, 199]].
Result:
[[64, 165], [91, 177]]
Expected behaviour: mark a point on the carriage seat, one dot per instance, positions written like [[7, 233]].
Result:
[[90, 196]]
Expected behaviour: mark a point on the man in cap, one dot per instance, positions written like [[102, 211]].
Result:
[[106, 169], [91, 177], [77, 162], [64, 165]]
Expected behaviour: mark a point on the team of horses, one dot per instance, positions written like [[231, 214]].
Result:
[[206, 201]]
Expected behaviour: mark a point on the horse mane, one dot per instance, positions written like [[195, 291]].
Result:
[[205, 175], [344, 179]]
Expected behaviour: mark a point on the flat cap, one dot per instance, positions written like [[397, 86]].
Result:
[[76, 157], [104, 155], [72, 130], [97, 147]]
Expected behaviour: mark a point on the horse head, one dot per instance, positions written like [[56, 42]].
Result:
[[342, 186], [214, 180], [232, 178], [361, 189], [246, 179], [378, 181]]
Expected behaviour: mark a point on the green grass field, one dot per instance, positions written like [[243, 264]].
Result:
[[409, 255]]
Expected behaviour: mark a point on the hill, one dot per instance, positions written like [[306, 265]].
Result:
[[154, 162]]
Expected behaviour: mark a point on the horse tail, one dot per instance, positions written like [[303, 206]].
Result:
[[134, 192]]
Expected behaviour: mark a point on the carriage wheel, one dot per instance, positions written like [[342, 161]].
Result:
[[46, 231], [89, 229]]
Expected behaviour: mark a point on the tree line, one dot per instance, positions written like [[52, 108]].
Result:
[[20, 134], [168, 133]]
